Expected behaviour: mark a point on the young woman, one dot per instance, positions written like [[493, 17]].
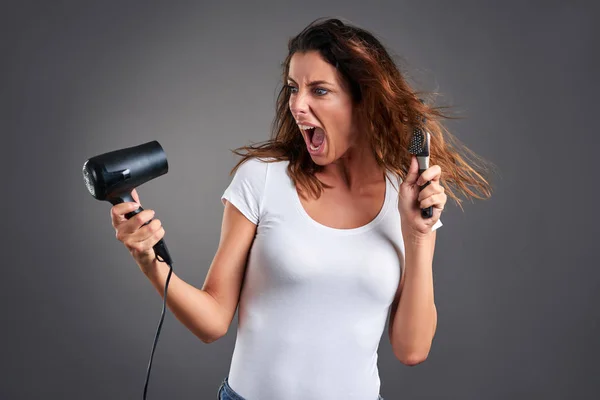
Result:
[[322, 233]]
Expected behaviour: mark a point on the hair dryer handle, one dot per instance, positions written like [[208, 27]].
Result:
[[160, 248]]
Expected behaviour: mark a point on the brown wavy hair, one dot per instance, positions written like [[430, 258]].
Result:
[[383, 97]]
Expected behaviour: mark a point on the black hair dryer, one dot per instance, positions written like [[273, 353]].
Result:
[[112, 176]]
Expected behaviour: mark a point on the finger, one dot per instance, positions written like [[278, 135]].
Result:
[[136, 222], [436, 201], [432, 173], [152, 239], [430, 190], [148, 243], [118, 211], [152, 233], [135, 196], [413, 171], [146, 232]]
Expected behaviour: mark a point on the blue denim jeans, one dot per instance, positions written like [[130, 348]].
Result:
[[227, 393]]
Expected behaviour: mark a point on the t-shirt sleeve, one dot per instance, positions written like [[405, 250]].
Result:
[[245, 191]]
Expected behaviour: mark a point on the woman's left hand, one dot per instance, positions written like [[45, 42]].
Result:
[[411, 199]]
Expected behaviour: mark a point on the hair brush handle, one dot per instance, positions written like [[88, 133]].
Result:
[[425, 212]]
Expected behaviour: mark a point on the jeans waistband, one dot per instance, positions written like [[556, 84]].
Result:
[[225, 392]]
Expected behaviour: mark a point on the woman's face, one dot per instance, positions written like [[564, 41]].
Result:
[[319, 98]]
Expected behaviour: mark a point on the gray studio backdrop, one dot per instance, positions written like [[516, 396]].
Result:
[[80, 78]]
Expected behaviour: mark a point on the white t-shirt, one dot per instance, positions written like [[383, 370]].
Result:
[[315, 299]]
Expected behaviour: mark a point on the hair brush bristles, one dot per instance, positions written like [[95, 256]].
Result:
[[418, 145]]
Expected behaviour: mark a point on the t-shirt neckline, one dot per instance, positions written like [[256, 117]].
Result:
[[347, 231]]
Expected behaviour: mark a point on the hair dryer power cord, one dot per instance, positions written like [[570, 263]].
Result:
[[162, 317]]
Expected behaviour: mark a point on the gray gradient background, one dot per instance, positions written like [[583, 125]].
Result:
[[517, 316]]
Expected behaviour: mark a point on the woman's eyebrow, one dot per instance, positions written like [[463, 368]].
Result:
[[313, 83]]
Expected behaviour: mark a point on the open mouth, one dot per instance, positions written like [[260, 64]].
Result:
[[315, 137], [309, 134]]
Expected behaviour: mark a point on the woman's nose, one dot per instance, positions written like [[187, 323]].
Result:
[[298, 105]]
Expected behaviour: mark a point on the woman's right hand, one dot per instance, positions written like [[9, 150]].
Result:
[[138, 237]]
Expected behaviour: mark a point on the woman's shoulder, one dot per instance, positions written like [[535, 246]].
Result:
[[395, 179], [256, 168], [256, 162]]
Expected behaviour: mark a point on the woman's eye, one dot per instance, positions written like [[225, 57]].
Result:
[[317, 91]]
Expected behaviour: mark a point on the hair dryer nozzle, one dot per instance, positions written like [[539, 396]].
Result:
[[110, 175]]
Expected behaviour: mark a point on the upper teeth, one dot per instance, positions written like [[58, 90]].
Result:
[[305, 127]]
